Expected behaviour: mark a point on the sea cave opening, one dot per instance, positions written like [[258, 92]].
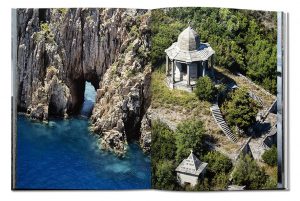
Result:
[[89, 99]]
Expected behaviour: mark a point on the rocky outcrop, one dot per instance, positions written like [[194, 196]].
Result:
[[122, 97], [145, 139], [53, 97], [60, 49]]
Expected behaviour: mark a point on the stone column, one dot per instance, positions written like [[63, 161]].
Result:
[[204, 66], [212, 66], [167, 65], [188, 74], [173, 72]]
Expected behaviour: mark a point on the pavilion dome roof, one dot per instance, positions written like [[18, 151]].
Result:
[[188, 40], [188, 47]]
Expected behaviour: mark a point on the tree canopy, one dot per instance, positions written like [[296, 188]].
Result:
[[244, 40], [217, 162], [189, 136], [162, 156], [248, 173], [165, 172], [218, 169], [240, 110], [163, 141]]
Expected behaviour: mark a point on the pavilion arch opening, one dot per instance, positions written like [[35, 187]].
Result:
[[184, 68]]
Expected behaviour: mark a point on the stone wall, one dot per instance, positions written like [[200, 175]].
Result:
[[183, 179]]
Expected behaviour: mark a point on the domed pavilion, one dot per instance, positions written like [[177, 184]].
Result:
[[189, 60]]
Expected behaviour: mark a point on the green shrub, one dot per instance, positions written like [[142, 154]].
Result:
[[270, 156], [45, 27], [165, 31], [165, 175], [271, 183], [46, 32], [218, 169], [134, 31], [248, 173], [220, 181], [240, 110], [189, 136], [163, 142], [205, 89], [217, 162], [203, 185], [63, 11], [162, 156]]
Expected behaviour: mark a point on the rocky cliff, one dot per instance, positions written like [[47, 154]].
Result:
[[60, 49]]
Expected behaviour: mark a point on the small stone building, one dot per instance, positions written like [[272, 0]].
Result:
[[187, 60], [190, 170]]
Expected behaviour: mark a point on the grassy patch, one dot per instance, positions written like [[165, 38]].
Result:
[[267, 98], [163, 96], [271, 171]]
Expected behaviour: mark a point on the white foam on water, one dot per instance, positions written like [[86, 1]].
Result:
[[119, 167]]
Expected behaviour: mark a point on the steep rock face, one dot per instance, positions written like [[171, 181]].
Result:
[[80, 43], [145, 139], [60, 49], [122, 97], [30, 61]]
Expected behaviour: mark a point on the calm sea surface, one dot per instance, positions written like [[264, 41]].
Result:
[[64, 154]]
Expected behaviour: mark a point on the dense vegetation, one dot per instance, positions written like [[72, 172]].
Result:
[[205, 89], [218, 169], [189, 136], [169, 148], [270, 156], [240, 109], [163, 152], [248, 173], [244, 41]]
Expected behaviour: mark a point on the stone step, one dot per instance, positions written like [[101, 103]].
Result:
[[218, 115], [219, 118], [221, 122]]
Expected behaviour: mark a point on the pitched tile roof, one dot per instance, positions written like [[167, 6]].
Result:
[[191, 165]]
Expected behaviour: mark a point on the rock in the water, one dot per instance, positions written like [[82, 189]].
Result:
[[114, 141]]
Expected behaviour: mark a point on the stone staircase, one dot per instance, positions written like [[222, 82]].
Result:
[[216, 113]]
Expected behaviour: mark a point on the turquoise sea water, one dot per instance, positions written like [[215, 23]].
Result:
[[64, 154]]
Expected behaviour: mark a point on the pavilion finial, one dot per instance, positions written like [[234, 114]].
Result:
[[191, 151], [189, 23]]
